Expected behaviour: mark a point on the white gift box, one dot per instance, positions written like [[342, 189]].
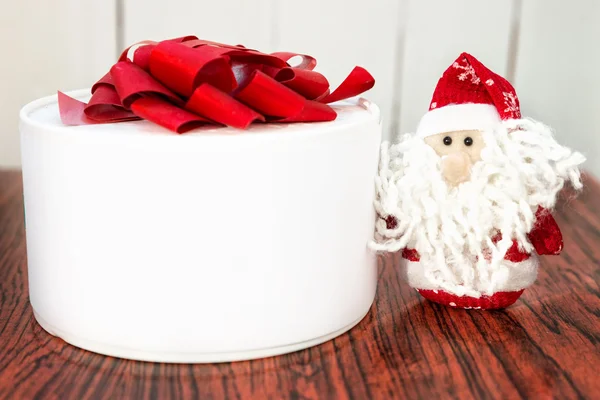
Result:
[[214, 245]]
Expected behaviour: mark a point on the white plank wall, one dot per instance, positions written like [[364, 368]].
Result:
[[558, 71], [232, 22], [49, 45], [406, 44], [365, 34]]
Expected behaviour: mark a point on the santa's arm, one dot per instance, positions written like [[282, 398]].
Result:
[[545, 236]]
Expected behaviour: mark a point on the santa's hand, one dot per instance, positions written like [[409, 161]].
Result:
[[545, 236]]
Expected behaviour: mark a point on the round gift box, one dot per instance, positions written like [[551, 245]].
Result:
[[214, 245]]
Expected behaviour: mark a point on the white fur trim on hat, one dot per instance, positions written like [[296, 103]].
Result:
[[458, 117]]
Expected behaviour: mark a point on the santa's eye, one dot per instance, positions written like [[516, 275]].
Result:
[[468, 141], [447, 140]]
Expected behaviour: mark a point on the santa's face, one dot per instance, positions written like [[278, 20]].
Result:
[[459, 151]]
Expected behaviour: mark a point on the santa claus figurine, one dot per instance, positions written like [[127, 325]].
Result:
[[467, 198]]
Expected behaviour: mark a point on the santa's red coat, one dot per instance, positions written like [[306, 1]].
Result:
[[545, 237]]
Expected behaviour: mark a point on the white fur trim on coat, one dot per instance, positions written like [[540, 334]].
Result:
[[517, 276], [458, 117]]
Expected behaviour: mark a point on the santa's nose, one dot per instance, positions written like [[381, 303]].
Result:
[[456, 168]]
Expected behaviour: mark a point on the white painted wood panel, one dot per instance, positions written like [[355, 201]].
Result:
[[437, 32], [49, 45], [227, 21], [558, 71], [342, 34], [406, 44]]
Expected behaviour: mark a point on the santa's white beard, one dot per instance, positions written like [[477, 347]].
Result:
[[452, 228]]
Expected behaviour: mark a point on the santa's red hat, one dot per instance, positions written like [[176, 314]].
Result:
[[469, 97]]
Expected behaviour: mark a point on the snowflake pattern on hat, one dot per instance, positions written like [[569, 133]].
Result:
[[469, 71], [512, 103], [461, 84]]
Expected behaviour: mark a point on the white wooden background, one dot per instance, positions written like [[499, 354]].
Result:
[[548, 48]]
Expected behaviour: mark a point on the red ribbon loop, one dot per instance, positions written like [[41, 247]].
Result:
[[106, 104], [269, 97], [185, 82], [307, 62], [218, 106], [183, 68], [163, 113], [357, 82], [131, 82], [309, 84]]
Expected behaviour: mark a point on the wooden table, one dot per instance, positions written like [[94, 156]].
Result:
[[546, 345]]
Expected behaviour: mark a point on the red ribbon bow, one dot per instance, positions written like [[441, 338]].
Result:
[[186, 82]]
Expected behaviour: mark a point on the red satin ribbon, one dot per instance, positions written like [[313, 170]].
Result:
[[185, 82]]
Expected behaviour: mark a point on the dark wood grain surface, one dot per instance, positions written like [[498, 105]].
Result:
[[545, 346]]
